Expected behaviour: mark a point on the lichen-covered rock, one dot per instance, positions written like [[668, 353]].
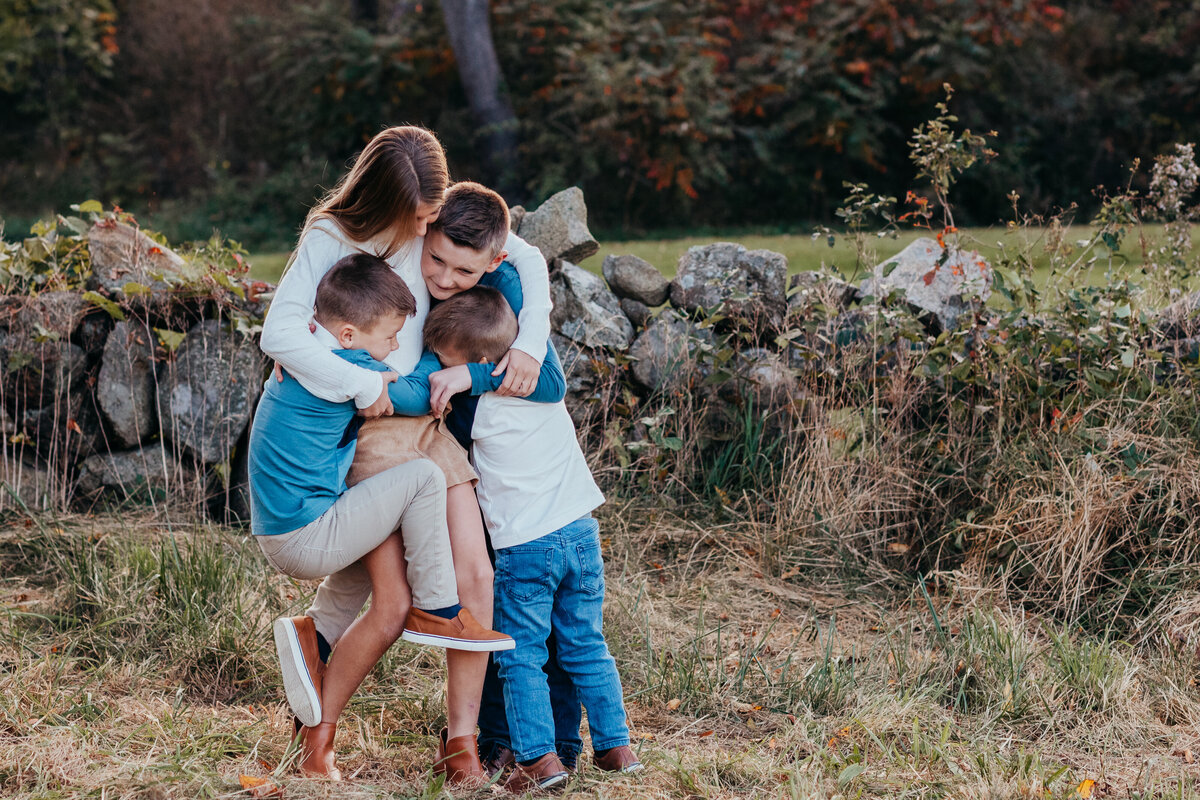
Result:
[[125, 388], [636, 279], [559, 228], [40, 372], [122, 254], [585, 311], [130, 473], [209, 391], [638, 313], [665, 354], [515, 215], [947, 289], [747, 285]]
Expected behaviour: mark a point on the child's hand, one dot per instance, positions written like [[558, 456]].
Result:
[[445, 383], [521, 374], [383, 404]]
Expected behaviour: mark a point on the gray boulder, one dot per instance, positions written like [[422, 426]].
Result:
[[132, 473], [585, 311], [34, 486], [125, 388], [665, 355], [122, 254], [957, 286], [40, 373], [638, 312], [747, 285], [515, 215], [636, 279], [559, 228], [209, 391]]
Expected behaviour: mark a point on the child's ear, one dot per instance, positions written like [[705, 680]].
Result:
[[345, 336], [503, 254]]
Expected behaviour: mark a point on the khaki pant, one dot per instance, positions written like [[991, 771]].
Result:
[[384, 443], [410, 498]]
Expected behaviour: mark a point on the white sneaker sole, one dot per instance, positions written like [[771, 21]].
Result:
[[297, 683], [553, 781], [451, 643]]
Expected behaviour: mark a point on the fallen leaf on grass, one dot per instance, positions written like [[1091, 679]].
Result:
[[702, 734], [897, 548], [673, 703], [1085, 788], [259, 787]]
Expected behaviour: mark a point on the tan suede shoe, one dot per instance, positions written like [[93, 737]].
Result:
[[301, 666], [460, 633]]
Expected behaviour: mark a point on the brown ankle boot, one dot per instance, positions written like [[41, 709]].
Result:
[[458, 760], [316, 751], [545, 773]]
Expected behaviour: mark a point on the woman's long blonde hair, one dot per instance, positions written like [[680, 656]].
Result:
[[399, 169]]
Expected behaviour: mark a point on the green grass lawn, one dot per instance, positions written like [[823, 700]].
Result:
[[805, 253]]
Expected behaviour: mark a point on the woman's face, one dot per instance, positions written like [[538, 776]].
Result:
[[425, 215]]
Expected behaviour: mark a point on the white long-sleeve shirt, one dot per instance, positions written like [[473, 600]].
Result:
[[533, 478], [286, 338]]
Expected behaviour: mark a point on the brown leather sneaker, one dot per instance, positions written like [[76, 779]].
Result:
[[458, 760], [460, 633], [500, 759], [316, 752], [301, 666], [619, 759], [545, 773]]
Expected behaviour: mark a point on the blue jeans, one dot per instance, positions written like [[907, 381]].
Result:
[[555, 584], [564, 702]]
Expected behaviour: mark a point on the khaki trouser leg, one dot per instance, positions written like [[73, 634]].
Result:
[[410, 498]]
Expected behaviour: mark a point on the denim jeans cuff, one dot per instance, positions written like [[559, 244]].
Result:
[[609, 744], [568, 747], [534, 754]]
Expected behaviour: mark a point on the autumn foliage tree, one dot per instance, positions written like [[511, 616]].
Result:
[[669, 113]]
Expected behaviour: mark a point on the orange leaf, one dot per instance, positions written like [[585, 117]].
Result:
[[73, 426], [704, 733], [1085, 788], [259, 787]]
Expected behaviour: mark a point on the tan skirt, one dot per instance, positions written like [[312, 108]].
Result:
[[385, 442]]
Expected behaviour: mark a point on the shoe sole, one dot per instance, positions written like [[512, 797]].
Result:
[[552, 781], [297, 682], [451, 643]]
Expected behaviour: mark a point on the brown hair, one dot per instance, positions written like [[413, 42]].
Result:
[[473, 216], [361, 289], [398, 170], [477, 323]]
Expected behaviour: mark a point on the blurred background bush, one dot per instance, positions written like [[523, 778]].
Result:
[[670, 114]]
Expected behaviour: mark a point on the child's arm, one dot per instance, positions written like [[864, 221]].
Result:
[[529, 349], [409, 393], [477, 379], [287, 339]]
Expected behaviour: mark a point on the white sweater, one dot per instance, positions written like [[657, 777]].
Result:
[[533, 478], [286, 337]]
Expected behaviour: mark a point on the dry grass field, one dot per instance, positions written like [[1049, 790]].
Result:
[[136, 662]]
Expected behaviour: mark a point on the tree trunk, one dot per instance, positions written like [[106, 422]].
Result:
[[470, 33]]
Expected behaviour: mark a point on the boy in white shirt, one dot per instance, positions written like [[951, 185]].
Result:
[[537, 495]]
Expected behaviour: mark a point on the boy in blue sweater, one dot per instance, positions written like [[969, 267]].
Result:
[[310, 525]]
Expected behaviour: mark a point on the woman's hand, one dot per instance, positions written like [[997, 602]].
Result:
[[382, 407], [521, 372], [445, 383]]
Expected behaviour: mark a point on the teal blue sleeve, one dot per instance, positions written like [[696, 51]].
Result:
[[410, 393], [551, 385]]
